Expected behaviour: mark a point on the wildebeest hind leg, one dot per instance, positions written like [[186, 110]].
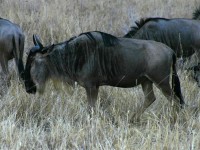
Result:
[[92, 93], [4, 65], [6, 76], [147, 87], [174, 100]]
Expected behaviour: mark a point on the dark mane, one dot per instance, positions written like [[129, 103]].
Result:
[[68, 58], [71, 39], [78, 52], [5, 19], [196, 14], [139, 24], [108, 39]]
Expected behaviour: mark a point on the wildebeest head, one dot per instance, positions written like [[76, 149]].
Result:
[[29, 83], [42, 64]]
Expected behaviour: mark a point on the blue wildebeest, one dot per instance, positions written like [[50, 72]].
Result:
[[11, 45], [95, 59], [182, 35]]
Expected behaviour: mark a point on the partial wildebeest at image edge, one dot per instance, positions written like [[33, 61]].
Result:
[[11, 46], [180, 34]]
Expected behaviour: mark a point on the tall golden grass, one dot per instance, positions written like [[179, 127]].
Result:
[[58, 119]]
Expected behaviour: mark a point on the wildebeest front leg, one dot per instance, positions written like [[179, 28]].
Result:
[[92, 93], [147, 87]]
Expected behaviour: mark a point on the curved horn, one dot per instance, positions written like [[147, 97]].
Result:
[[36, 41], [35, 49]]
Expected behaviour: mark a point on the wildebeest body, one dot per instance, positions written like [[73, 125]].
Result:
[[11, 45], [94, 59], [107, 66], [182, 35]]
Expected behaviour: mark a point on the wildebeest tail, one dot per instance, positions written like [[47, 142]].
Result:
[[18, 49], [176, 82]]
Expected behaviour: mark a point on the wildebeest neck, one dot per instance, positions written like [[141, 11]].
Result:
[[95, 50], [92, 49]]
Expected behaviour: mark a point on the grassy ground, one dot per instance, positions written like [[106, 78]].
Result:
[[59, 118]]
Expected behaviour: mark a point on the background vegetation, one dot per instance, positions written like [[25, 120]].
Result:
[[59, 118]]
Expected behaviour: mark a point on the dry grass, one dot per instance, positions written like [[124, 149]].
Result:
[[59, 118]]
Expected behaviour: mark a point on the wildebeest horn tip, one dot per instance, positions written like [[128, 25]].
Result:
[[36, 41]]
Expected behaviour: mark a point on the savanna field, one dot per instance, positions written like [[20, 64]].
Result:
[[59, 119]]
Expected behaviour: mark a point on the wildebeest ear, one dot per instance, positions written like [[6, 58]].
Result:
[[36, 41], [47, 49]]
